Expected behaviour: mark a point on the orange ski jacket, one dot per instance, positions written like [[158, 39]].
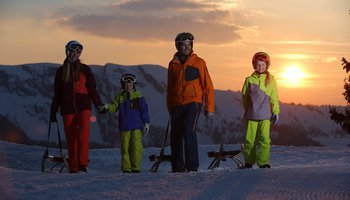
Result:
[[189, 82]]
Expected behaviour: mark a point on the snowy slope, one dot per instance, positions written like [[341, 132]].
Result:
[[296, 173], [26, 92]]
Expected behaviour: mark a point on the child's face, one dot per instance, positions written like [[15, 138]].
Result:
[[260, 66], [128, 87]]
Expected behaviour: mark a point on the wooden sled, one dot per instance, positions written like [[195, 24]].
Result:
[[158, 159], [222, 156], [50, 163]]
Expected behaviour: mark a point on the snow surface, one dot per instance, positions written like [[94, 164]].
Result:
[[296, 173]]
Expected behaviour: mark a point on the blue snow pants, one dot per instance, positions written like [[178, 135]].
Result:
[[183, 139]]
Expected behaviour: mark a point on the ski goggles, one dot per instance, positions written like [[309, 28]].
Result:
[[263, 58], [186, 40], [76, 47], [129, 79]]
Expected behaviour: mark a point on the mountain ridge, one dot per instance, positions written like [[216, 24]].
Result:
[[27, 90]]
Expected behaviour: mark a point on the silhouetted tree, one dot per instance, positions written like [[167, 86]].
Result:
[[343, 118]]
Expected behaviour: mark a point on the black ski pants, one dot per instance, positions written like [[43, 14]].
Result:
[[183, 140]]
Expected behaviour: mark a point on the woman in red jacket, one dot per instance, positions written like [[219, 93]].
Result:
[[75, 89]]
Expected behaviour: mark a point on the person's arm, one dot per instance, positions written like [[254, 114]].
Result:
[[91, 88], [114, 106], [55, 100], [144, 111], [245, 96], [207, 88], [274, 98], [170, 88]]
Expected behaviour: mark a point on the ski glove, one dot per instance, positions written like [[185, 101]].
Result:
[[208, 114], [274, 119], [53, 117], [146, 128], [102, 108]]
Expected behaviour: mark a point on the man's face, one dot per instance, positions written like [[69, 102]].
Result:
[[184, 48], [128, 87]]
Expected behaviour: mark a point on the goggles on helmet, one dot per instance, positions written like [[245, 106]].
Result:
[[128, 79], [261, 56], [184, 36], [76, 47]]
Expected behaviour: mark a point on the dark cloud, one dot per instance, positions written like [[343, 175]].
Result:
[[157, 5], [133, 21]]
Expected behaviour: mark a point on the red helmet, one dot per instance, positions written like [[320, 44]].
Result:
[[261, 56]]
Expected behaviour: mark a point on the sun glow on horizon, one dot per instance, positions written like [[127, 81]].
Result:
[[293, 76]]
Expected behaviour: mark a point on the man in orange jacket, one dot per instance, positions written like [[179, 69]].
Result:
[[189, 86]]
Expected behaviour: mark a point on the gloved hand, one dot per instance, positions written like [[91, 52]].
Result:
[[208, 114], [146, 128], [102, 108], [53, 117], [274, 119]]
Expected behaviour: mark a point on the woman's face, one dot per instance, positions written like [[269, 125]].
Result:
[[260, 66], [74, 55], [128, 87]]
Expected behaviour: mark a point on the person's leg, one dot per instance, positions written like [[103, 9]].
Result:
[[249, 150], [176, 139], [84, 134], [136, 150], [124, 150], [190, 137], [263, 154], [71, 132]]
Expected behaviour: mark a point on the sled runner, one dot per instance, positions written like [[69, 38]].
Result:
[[54, 161], [159, 159], [222, 156]]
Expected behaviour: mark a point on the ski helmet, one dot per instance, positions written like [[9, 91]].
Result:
[[128, 78], [73, 45], [184, 36], [261, 56]]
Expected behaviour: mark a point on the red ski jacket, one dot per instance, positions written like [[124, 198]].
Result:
[[75, 96]]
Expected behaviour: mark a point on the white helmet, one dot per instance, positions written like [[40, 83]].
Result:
[[73, 45]]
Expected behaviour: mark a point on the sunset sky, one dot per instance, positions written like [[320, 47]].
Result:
[[305, 39]]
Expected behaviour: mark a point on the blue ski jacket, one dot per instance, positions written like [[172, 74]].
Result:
[[133, 110]]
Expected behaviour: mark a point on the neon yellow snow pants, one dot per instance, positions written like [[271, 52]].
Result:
[[257, 142], [131, 150]]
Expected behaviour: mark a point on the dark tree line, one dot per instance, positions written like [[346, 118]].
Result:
[[343, 118]]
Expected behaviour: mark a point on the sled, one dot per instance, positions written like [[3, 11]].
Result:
[[158, 159], [222, 156], [52, 163], [161, 157]]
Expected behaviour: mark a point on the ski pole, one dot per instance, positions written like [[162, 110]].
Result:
[[166, 137]]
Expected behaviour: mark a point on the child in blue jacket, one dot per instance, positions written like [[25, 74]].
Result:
[[133, 122]]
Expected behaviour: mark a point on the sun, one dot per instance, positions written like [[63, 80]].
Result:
[[293, 76]]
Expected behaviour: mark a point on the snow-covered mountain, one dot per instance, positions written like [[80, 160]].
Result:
[[26, 93]]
